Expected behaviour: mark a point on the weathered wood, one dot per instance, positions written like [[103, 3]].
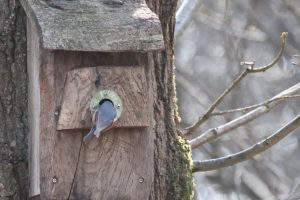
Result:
[[95, 25], [117, 166], [170, 166], [33, 64], [120, 158], [109, 160], [128, 82]]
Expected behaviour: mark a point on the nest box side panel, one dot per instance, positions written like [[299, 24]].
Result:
[[33, 64], [81, 84], [42, 107]]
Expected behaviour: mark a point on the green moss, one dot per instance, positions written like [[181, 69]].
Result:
[[181, 177], [175, 112]]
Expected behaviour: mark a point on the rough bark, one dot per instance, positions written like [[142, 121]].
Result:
[[13, 103], [173, 176], [172, 166]]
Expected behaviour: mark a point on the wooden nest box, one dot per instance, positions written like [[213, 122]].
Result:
[[76, 48]]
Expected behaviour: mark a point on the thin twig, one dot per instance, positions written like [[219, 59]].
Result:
[[184, 14], [213, 164], [249, 69], [249, 108], [268, 66], [212, 19], [214, 133], [204, 117]]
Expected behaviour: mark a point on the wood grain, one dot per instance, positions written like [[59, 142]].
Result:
[[111, 166], [128, 82], [95, 25], [33, 64], [126, 154]]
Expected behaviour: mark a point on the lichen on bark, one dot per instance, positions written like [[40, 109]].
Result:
[[181, 176], [13, 103]]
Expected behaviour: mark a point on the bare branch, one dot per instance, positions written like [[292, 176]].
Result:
[[249, 108], [214, 20], [214, 133], [249, 69], [204, 117], [268, 66], [183, 15], [213, 164]]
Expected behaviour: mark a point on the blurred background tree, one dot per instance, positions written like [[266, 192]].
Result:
[[212, 38]]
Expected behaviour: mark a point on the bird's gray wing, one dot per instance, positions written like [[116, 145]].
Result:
[[105, 117]]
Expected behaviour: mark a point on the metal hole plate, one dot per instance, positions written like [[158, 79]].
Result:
[[110, 95]]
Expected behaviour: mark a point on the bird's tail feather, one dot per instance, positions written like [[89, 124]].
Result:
[[90, 135]]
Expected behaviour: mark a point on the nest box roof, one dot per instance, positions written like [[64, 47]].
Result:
[[95, 25]]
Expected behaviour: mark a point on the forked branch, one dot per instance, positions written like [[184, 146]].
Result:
[[214, 133], [213, 164], [249, 108], [249, 69]]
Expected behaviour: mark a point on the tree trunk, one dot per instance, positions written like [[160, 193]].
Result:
[[13, 103], [173, 176], [172, 168]]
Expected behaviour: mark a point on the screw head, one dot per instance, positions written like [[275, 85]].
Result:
[[118, 106], [54, 179], [141, 180]]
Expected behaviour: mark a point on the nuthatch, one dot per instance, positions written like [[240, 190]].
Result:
[[103, 119]]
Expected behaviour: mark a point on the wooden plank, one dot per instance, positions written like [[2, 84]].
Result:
[[117, 166], [33, 64], [113, 166], [58, 152], [96, 25], [128, 82]]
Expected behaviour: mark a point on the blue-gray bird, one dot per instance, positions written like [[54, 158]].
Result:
[[103, 119]]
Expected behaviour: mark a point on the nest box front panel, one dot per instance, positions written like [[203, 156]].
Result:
[[81, 84], [120, 156]]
